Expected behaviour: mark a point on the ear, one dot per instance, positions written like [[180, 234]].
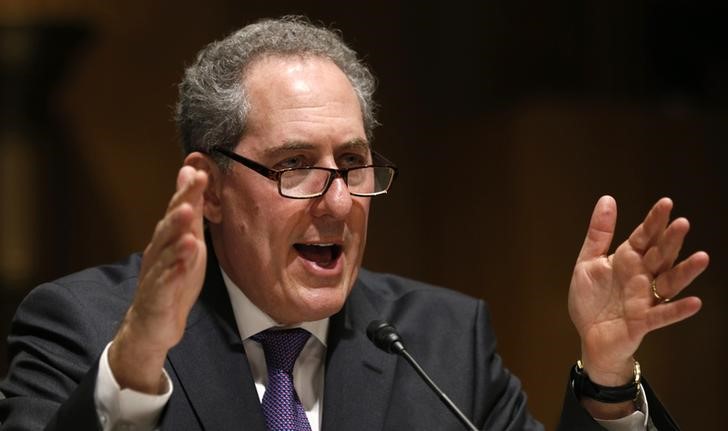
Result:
[[212, 209]]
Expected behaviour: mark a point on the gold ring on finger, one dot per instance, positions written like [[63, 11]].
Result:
[[660, 299]]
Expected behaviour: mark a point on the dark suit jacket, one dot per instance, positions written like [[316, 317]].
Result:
[[62, 327]]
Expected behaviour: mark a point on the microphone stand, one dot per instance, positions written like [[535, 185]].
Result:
[[386, 337], [444, 398]]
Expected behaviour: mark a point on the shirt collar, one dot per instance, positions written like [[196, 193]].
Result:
[[252, 320]]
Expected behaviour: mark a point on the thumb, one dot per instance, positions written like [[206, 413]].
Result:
[[601, 229]]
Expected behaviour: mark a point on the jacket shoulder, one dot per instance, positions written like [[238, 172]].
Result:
[[104, 290], [111, 274], [395, 297], [395, 287]]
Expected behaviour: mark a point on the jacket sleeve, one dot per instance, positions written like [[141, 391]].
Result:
[[574, 417], [501, 401], [53, 349]]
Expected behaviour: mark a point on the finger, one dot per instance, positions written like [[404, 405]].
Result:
[[652, 227], [671, 283], [661, 256], [179, 252], [601, 229], [164, 297], [168, 230], [157, 283], [184, 212], [184, 175], [191, 185], [668, 313]]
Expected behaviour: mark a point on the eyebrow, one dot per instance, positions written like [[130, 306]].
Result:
[[359, 144]]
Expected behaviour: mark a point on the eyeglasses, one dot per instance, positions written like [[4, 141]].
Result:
[[313, 181]]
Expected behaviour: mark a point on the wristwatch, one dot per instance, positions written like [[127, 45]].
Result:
[[584, 387]]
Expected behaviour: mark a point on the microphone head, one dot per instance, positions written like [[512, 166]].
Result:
[[385, 336]]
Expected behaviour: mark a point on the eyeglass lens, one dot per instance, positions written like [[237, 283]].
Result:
[[312, 181]]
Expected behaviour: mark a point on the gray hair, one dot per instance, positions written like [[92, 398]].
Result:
[[213, 106]]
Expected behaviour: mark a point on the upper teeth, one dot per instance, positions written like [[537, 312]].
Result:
[[323, 245]]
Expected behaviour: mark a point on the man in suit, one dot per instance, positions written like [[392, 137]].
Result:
[[264, 239]]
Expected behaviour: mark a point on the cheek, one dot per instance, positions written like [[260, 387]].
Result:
[[360, 213], [266, 224], [241, 219], [241, 213]]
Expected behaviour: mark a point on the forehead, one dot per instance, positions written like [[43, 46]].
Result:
[[277, 68], [301, 93]]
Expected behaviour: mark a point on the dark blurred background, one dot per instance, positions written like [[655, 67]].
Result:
[[508, 120]]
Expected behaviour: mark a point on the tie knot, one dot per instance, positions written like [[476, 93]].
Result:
[[282, 347]]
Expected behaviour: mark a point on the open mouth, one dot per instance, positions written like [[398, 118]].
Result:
[[323, 255]]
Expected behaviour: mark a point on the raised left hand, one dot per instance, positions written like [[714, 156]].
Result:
[[611, 300]]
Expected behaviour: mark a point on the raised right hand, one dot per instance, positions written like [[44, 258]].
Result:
[[170, 280]]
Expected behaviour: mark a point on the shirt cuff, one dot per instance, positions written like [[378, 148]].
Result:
[[126, 409], [636, 421]]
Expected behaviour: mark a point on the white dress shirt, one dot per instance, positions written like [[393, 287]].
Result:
[[308, 371], [129, 410]]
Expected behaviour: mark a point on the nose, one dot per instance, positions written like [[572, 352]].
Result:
[[336, 202]]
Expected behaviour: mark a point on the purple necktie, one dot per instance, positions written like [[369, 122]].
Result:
[[282, 408]]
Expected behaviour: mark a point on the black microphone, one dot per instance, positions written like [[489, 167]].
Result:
[[386, 337]]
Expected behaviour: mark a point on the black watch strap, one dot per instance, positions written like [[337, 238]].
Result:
[[584, 387]]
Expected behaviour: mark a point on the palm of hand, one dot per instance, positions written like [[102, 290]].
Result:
[[610, 298], [609, 304]]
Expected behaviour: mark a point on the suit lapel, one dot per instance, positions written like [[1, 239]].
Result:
[[211, 372], [359, 376], [210, 365]]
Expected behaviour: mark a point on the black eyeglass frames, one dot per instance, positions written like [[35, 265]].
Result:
[[312, 181]]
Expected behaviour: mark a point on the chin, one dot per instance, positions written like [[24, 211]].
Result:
[[322, 302]]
